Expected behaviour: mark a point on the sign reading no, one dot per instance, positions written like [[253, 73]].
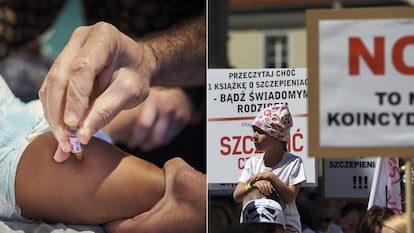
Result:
[[361, 82]]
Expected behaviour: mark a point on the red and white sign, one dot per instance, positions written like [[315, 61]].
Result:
[[367, 89], [234, 98], [361, 83]]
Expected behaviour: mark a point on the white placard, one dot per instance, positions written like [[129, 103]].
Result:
[[348, 178], [234, 98], [366, 83]]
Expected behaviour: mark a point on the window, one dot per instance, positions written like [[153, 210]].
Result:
[[276, 54]]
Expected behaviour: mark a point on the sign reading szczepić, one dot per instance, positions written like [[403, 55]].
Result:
[[234, 98]]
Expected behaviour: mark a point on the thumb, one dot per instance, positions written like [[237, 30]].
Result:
[[120, 95], [60, 156], [102, 112]]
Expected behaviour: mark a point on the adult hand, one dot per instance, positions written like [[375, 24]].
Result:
[[182, 209], [155, 122], [100, 72]]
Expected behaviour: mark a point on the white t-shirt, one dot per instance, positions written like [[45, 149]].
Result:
[[290, 170]]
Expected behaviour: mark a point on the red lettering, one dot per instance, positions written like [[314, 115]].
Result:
[[392, 204], [393, 170], [237, 145], [235, 151], [241, 163], [398, 55], [376, 60], [357, 49], [223, 144], [295, 141], [248, 141]]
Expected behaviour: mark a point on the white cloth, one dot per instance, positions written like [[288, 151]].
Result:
[[385, 189], [290, 170], [18, 123], [7, 226], [262, 210]]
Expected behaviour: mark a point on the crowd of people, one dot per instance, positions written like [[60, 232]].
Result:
[[317, 215], [269, 186]]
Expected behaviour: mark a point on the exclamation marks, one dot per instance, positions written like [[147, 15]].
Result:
[[360, 182]]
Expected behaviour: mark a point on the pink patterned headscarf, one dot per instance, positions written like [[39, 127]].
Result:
[[275, 121]]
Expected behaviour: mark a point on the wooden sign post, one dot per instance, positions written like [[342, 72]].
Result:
[[361, 79]]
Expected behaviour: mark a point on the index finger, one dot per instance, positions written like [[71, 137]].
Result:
[[93, 57], [52, 93]]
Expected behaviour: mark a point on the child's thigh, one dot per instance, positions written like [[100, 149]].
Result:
[[107, 184]]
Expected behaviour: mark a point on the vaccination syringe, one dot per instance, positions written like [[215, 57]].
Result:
[[77, 148]]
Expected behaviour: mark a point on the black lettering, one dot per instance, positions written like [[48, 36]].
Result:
[[383, 119], [333, 118], [347, 119]]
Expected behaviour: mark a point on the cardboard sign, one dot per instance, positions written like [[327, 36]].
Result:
[[234, 98], [361, 82]]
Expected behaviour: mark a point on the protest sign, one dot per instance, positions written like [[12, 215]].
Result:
[[361, 78], [234, 98]]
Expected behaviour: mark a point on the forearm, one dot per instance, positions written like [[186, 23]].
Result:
[[180, 54], [239, 192], [106, 185], [181, 209], [287, 193], [245, 192]]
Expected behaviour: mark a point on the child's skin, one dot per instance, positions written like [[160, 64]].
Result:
[[267, 182], [185, 197], [108, 184]]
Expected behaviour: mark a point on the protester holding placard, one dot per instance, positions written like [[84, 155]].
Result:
[[277, 171]]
